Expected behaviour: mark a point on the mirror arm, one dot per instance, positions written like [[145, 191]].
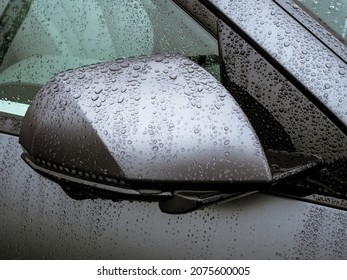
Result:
[[183, 202]]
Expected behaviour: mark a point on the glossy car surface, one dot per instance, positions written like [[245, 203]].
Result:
[[257, 174]]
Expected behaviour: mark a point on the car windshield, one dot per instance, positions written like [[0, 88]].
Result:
[[39, 39], [332, 13]]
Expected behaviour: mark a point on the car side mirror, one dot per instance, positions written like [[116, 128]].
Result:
[[146, 126]]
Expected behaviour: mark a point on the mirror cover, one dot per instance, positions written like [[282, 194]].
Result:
[[158, 118]]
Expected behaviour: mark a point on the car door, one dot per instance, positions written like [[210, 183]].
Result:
[[40, 219]]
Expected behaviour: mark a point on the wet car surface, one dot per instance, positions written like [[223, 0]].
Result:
[[288, 100]]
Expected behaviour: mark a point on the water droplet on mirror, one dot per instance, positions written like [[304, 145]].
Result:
[[187, 62], [95, 97], [77, 95], [173, 76], [115, 68], [125, 65]]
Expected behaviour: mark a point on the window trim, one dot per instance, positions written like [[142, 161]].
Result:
[[269, 50], [318, 28]]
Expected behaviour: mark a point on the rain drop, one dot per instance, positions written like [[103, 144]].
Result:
[[173, 76], [95, 97], [77, 95], [115, 67]]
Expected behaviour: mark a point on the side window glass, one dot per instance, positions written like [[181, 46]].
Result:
[[39, 39]]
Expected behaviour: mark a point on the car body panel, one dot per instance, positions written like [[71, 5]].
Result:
[[40, 221]]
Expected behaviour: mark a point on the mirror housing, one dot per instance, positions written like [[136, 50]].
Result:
[[160, 120], [158, 128]]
